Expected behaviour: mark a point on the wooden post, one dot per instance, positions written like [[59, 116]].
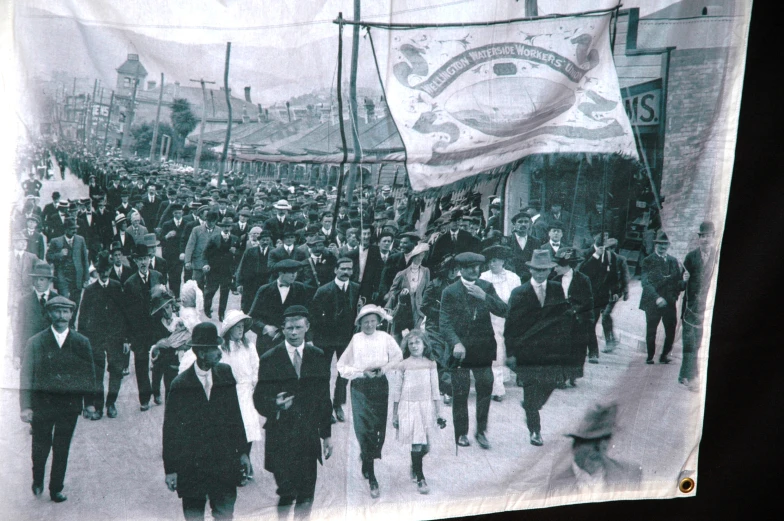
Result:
[[157, 121], [197, 159], [125, 144], [352, 103], [222, 165]]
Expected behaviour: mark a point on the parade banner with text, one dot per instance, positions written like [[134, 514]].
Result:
[[468, 99]]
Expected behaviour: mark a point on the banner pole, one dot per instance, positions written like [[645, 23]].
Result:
[[341, 174]]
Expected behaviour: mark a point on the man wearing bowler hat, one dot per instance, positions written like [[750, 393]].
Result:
[[538, 338], [103, 320], [698, 265], [464, 322], [57, 383], [293, 395], [221, 256], [662, 283], [204, 443]]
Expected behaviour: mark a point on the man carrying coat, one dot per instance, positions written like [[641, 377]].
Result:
[[465, 324], [204, 440], [293, 395]]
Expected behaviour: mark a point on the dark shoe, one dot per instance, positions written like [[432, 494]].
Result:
[[58, 497], [560, 385], [664, 360], [333, 420], [498, 398], [339, 414], [536, 439], [422, 486], [374, 492], [593, 359], [649, 361], [157, 399], [97, 415], [573, 382], [365, 470], [111, 411], [413, 475], [208, 313], [447, 400], [481, 439], [126, 371], [38, 490], [683, 381], [463, 441], [145, 407]]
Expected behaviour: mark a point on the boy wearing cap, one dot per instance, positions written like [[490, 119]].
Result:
[[57, 382]]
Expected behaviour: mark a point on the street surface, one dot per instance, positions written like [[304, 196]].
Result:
[[116, 472]]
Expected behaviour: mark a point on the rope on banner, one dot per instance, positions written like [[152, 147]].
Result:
[[340, 118]]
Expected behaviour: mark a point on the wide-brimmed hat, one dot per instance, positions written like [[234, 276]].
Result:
[[234, 317], [541, 260], [567, 257], [372, 309], [42, 269], [598, 422], [282, 205], [150, 240], [422, 247], [497, 252], [60, 302], [661, 237], [205, 334], [159, 297], [706, 227]]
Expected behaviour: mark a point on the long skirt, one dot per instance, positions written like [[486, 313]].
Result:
[[369, 405]]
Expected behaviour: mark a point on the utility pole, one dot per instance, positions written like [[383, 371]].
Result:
[[88, 139], [531, 8], [157, 120], [108, 122], [352, 102], [197, 159], [125, 144], [222, 165]]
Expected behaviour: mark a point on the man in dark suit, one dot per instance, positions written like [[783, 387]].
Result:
[[454, 242], [103, 222], [157, 263], [396, 262], [54, 226], [272, 299], [334, 310], [662, 283], [31, 316], [464, 322], [57, 383], [151, 205], [138, 298], [369, 263], [288, 250], [171, 250], [538, 338], [319, 266], [123, 236], [220, 254], [125, 206], [293, 395], [204, 443], [254, 271], [559, 215], [280, 222], [555, 235], [68, 255], [242, 228], [698, 264], [102, 319], [50, 208], [522, 245], [120, 270]]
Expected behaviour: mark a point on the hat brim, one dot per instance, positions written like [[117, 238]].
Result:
[[167, 301], [241, 319], [546, 266]]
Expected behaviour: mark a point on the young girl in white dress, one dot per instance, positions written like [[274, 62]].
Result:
[[416, 402]]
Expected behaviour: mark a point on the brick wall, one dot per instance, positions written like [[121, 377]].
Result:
[[693, 144]]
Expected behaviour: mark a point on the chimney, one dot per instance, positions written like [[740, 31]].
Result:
[[266, 114], [247, 94], [133, 57], [176, 89], [245, 117], [370, 109], [151, 85], [288, 110], [260, 116]]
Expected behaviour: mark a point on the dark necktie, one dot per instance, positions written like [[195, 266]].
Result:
[[43, 300]]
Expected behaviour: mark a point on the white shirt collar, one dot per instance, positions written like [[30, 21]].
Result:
[[205, 377], [290, 349], [467, 283], [341, 285], [60, 337]]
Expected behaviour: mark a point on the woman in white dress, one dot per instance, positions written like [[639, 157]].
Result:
[[368, 358], [503, 281], [241, 356]]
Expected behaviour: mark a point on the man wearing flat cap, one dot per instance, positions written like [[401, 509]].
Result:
[[68, 255], [204, 442], [662, 283], [464, 322], [522, 244], [57, 383], [293, 395], [272, 299], [588, 469]]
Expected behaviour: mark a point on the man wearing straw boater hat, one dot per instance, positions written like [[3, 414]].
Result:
[[103, 320], [277, 224], [293, 395], [538, 338], [57, 382], [662, 283], [204, 440], [589, 469], [464, 322]]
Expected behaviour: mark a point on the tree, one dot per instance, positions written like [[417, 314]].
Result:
[[142, 137], [183, 122]]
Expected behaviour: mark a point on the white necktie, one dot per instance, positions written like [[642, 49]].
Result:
[[540, 294], [207, 386]]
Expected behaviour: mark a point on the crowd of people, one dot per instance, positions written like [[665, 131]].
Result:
[[410, 302]]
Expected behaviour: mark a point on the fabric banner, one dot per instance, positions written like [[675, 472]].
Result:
[[468, 99]]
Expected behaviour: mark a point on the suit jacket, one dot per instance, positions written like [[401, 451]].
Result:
[[276, 228], [161, 266], [197, 246], [370, 285], [267, 309], [253, 272], [102, 316], [444, 246], [35, 244], [466, 320], [241, 234], [315, 274], [203, 439], [396, 262], [696, 294], [57, 380], [293, 436], [128, 246], [415, 294], [19, 272], [332, 313], [137, 304], [31, 318], [77, 255], [279, 254], [54, 226], [580, 301], [172, 248], [218, 254], [126, 274], [149, 211], [138, 233], [521, 256], [661, 277], [606, 277], [538, 335]]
